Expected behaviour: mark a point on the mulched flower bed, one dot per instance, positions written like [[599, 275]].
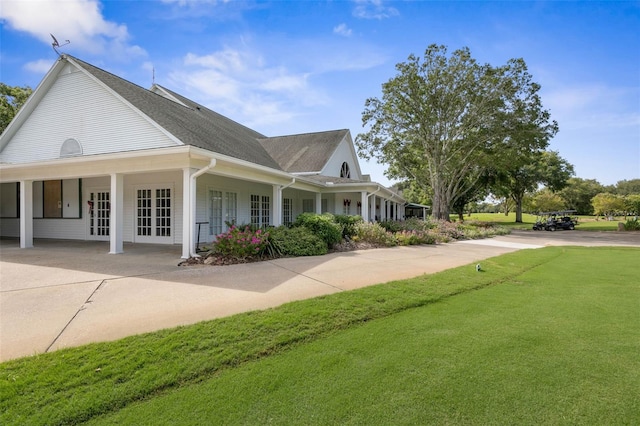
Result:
[[215, 259]]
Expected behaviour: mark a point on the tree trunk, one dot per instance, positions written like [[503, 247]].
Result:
[[518, 201], [440, 205]]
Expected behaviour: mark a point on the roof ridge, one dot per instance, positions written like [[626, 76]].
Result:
[[151, 92], [307, 133]]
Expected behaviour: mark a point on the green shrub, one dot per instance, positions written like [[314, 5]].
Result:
[[300, 241], [411, 238], [241, 242], [375, 234], [410, 224], [632, 225], [322, 225], [391, 225], [348, 224]]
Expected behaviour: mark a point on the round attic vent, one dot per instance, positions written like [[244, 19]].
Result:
[[70, 148]]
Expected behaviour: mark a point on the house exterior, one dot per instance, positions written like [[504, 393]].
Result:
[[91, 156]]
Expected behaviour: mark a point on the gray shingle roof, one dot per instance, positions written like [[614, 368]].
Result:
[[193, 125], [333, 179], [307, 152]]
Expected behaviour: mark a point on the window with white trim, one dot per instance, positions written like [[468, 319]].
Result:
[[287, 211], [231, 201], [215, 212], [266, 211], [223, 209], [344, 170], [307, 205]]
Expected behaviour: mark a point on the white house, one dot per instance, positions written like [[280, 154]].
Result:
[[91, 156]]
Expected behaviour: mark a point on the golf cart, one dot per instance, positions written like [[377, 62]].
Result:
[[552, 221]]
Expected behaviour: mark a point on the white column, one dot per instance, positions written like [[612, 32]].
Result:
[[117, 214], [186, 213], [318, 203], [26, 214], [364, 200], [373, 207], [276, 216]]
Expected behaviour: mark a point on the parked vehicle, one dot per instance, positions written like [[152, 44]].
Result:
[[552, 221]]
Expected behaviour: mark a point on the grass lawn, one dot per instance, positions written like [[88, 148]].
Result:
[[541, 336], [585, 223], [549, 346]]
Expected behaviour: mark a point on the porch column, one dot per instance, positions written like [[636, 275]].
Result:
[[318, 203], [188, 215], [276, 217], [373, 208], [26, 213], [116, 213], [364, 201]]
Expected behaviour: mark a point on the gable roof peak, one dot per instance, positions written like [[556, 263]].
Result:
[[189, 122]]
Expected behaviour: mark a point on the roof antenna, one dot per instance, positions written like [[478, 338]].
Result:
[[56, 44], [153, 76]]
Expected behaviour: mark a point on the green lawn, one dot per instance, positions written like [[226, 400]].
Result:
[[585, 223], [539, 337]]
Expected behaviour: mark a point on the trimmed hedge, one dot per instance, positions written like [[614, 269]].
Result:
[[300, 241]]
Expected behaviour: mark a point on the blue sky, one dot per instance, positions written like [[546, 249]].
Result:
[[286, 67]]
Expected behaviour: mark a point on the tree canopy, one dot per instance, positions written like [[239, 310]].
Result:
[[11, 100], [443, 120], [578, 193], [528, 170]]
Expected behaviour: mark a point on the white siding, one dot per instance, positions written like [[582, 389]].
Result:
[[77, 107], [343, 153], [68, 229]]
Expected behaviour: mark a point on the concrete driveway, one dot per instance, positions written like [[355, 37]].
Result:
[[65, 293]]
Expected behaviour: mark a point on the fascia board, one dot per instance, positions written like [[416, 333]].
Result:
[[154, 160]]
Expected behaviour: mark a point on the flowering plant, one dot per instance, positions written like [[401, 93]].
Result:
[[241, 242]]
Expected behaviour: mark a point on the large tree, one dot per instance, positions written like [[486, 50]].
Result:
[[11, 100], [607, 204], [527, 171], [627, 187], [578, 193], [443, 118]]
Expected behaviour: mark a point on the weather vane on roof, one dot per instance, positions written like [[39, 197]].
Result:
[[56, 44]]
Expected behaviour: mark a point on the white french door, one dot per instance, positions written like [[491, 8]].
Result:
[[99, 213], [153, 214]]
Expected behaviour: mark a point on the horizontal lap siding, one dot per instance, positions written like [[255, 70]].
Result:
[[77, 107]]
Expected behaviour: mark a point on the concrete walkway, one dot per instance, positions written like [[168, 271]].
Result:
[[64, 293]]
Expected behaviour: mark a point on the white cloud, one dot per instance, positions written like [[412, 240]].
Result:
[[40, 66], [593, 106], [240, 84], [342, 30], [373, 9], [79, 21]]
